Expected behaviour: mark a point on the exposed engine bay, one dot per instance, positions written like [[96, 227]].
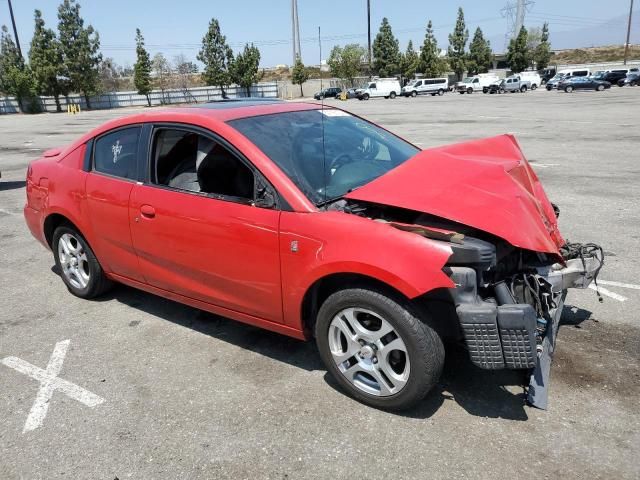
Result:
[[508, 300]]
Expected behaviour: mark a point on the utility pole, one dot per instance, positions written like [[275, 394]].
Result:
[[626, 45], [369, 34], [320, 47], [15, 31]]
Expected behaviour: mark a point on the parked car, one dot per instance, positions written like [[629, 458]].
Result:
[[565, 74], [533, 77], [330, 92], [347, 94], [433, 86], [546, 74], [510, 84], [380, 87], [475, 83], [582, 83], [316, 223], [632, 79], [612, 76]]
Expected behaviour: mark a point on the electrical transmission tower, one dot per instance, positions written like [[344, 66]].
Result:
[[295, 31], [514, 11]]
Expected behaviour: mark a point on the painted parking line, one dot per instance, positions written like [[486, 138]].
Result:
[[618, 284], [49, 383], [607, 292]]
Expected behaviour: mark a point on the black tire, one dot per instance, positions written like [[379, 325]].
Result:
[[366, 96], [502, 90], [461, 92], [414, 93], [441, 92], [534, 86], [523, 89], [549, 88], [433, 94], [568, 89], [469, 90], [98, 283], [599, 88], [424, 347], [392, 95]]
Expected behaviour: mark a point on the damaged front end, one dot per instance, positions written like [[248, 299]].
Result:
[[508, 300], [509, 312]]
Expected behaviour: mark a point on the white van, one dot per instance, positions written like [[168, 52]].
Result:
[[476, 83], [380, 87], [563, 74], [433, 86]]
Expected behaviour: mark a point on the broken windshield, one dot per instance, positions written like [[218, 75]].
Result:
[[326, 153]]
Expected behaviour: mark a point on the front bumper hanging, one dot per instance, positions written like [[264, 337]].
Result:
[[502, 333]]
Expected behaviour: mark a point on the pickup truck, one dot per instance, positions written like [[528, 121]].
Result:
[[476, 83], [510, 84]]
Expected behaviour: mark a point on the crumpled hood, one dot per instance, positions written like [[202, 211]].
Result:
[[486, 184]]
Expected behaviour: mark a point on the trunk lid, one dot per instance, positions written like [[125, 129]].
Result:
[[486, 184]]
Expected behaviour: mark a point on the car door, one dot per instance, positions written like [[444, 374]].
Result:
[[113, 171], [198, 229]]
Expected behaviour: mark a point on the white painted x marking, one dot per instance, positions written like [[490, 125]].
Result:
[[49, 383]]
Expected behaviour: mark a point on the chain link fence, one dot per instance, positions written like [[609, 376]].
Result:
[[157, 97]]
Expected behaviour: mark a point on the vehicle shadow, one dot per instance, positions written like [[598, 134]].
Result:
[[12, 185], [479, 392]]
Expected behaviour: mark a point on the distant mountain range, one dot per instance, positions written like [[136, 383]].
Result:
[[611, 31]]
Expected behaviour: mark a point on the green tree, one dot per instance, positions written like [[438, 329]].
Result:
[[409, 62], [299, 74], [80, 50], [142, 68], [518, 55], [430, 63], [217, 57], [386, 51], [542, 52], [346, 63], [246, 68], [457, 43], [46, 62], [480, 55], [15, 76]]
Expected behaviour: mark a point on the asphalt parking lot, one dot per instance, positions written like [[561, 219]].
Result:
[[185, 394]]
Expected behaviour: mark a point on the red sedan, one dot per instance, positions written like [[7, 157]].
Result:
[[315, 223]]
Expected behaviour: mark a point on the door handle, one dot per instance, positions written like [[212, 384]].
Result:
[[147, 211]]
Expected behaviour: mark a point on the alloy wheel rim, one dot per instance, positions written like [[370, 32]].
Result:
[[73, 261], [369, 352]]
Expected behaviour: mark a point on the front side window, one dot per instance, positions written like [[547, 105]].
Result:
[[325, 152], [116, 153], [188, 161]]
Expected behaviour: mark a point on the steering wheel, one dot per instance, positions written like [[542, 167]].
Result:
[[339, 161]]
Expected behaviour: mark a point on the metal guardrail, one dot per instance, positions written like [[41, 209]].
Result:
[[157, 97]]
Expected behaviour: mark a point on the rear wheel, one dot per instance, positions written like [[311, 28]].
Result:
[[523, 88], [377, 349], [79, 268], [599, 88], [392, 95], [534, 86], [469, 90], [568, 89], [441, 92]]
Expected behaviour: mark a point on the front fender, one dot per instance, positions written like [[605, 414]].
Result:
[[316, 245]]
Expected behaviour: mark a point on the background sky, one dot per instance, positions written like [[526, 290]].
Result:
[[174, 27]]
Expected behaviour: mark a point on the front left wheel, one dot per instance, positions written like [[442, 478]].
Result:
[[79, 268], [377, 349]]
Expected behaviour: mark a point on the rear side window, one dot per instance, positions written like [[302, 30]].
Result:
[[116, 153], [580, 73]]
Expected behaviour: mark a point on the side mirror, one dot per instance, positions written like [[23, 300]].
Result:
[[265, 199]]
